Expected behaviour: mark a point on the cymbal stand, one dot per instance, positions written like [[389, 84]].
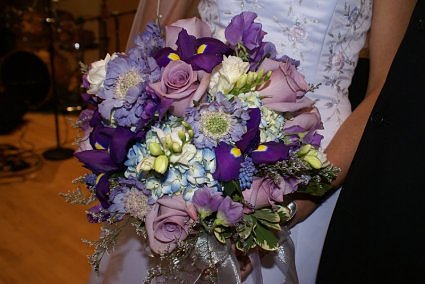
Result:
[[57, 153]]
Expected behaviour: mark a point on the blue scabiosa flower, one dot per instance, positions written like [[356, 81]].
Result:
[[220, 120]]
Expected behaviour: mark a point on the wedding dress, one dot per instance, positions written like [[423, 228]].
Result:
[[326, 37]]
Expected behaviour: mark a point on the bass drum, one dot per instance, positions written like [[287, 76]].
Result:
[[25, 77]]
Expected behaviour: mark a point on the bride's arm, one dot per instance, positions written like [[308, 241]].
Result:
[[389, 23], [170, 11]]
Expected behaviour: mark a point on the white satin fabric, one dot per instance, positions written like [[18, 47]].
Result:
[[326, 36]]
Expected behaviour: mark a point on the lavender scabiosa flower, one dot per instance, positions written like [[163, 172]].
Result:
[[126, 79], [141, 112], [217, 121], [129, 197], [149, 41]]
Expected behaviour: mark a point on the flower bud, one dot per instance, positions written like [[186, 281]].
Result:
[[304, 150], [177, 148], [155, 149], [241, 81], [191, 133], [182, 135], [186, 125], [268, 75], [251, 77], [168, 142], [161, 164], [313, 161], [260, 75]]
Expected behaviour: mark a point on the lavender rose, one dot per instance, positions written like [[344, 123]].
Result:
[[286, 88], [168, 222], [182, 85], [264, 192], [193, 26], [308, 120]]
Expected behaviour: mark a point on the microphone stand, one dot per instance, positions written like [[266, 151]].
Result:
[[58, 153]]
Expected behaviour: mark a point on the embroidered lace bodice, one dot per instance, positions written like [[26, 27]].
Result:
[[325, 35]]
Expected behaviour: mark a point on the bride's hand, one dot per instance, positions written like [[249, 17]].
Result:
[[245, 265], [304, 208]]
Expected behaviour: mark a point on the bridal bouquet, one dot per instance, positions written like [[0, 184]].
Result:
[[196, 143]]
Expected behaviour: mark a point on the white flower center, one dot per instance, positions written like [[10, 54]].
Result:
[[215, 125], [136, 204], [125, 82]]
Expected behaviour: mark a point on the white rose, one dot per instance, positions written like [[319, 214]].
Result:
[[97, 74], [224, 78]]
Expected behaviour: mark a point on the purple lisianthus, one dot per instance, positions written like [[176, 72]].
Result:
[[218, 121], [229, 212], [206, 201], [246, 36]]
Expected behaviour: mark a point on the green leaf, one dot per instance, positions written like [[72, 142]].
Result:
[[315, 188], [284, 213], [245, 245], [232, 189], [246, 227], [265, 238], [219, 234], [273, 226], [267, 214]]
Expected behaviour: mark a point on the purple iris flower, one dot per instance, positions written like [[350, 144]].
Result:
[[229, 158], [110, 146], [242, 30], [229, 212], [203, 53], [206, 201]]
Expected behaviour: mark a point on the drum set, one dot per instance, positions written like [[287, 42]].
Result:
[[30, 36]]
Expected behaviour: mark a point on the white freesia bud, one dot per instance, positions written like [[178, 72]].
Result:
[[304, 150], [161, 164], [177, 148], [168, 142], [313, 161], [182, 135], [155, 149]]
